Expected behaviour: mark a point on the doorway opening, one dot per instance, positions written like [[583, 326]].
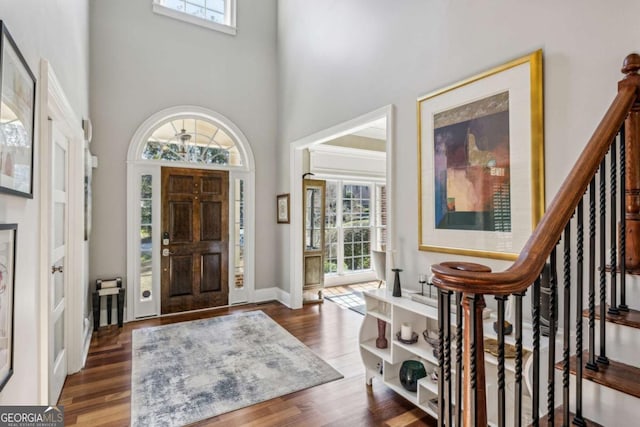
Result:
[[204, 151], [354, 159]]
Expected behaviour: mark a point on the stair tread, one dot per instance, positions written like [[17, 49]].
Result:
[[629, 318], [617, 376], [557, 419]]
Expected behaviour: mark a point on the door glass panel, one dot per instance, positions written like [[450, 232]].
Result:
[[58, 337], [58, 224], [313, 218], [58, 284], [146, 239], [239, 233], [59, 169]]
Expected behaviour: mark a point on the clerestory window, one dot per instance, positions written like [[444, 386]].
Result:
[[219, 15]]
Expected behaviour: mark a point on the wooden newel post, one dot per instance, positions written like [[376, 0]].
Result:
[[632, 172], [474, 395], [474, 383]]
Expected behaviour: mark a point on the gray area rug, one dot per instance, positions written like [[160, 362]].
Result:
[[186, 372]]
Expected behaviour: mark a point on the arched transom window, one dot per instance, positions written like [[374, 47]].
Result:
[[192, 140]]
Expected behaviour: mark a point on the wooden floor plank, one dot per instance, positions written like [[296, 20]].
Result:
[[99, 395]]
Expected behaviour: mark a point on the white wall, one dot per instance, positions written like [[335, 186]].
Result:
[[58, 31], [338, 60], [142, 63]]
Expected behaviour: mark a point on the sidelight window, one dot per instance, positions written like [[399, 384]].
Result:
[[146, 236]]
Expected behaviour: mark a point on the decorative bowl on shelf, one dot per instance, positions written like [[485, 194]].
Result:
[[413, 340], [410, 372], [431, 337]]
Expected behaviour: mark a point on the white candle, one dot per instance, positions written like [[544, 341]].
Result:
[[405, 332]]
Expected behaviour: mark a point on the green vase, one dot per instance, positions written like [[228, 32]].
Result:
[[410, 372]]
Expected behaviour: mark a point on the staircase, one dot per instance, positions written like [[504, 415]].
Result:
[[584, 257]]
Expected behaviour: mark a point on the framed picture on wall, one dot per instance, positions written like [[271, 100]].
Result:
[[17, 115], [480, 151], [7, 288], [283, 208]]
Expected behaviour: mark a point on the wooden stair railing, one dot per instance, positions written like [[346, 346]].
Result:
[[471, 282]]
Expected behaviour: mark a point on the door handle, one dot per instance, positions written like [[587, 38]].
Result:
[[167, 252], [59, 269]]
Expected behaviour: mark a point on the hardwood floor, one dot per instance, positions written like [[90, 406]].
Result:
[[100, 394]]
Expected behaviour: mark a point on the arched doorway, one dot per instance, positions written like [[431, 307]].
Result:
[[182, 139]]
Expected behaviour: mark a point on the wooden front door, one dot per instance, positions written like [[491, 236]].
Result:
[[195, 239]]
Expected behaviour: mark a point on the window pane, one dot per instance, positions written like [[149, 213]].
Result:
[[239, 207], [356, 205], [195, 10], [357, 254], [330, 250]]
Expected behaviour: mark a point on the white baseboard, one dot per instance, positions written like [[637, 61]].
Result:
[[270, 294], [88, 332]]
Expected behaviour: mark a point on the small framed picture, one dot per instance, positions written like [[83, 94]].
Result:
[[283, 208]]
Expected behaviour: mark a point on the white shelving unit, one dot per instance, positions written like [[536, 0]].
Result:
[[384, 364]]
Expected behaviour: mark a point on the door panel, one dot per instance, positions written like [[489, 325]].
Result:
[[313, 226], [211, 267], [211, 221], [181, 221], [195, 210], [58, 250], [181, 275]]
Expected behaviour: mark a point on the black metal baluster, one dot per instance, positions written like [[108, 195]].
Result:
[[472, 353], [447, 356], [441, 326], [553, 289], [567, 323], [623, 225], [613, 224], [591, 362], [459, 359], [535, 399], [517, 410], [577, 419], [602, 357], [500, 331]]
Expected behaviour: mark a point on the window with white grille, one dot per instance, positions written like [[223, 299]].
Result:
[[218, 15]]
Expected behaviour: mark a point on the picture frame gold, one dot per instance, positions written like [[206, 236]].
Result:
[[481, 161], [283, 208]]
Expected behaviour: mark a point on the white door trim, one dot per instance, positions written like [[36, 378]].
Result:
[[55, 106], [295, 181]]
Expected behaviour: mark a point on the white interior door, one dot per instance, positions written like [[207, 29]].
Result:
[[58, 278]]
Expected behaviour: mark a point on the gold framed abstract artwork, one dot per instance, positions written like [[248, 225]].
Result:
[[481, 162]]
